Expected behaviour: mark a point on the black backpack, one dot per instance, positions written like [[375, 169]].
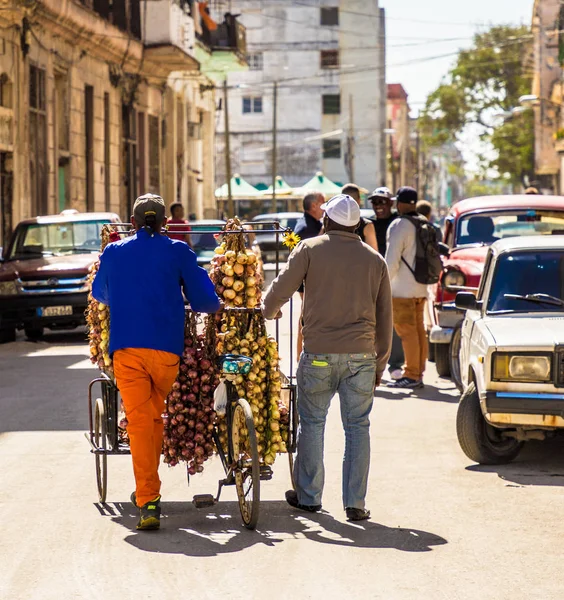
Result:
[[428, 264]]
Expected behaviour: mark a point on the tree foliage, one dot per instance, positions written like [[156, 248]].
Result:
[[487, 79]]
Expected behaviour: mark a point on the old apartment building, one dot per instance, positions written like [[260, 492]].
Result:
[[102, 100], [328, 60]]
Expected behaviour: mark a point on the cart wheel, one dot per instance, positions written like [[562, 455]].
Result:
[[100, 439], [245, 455]]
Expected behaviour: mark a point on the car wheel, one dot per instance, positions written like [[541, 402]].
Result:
[[442, 359], [454, 357], [7, 335], [481, 442], [33, 333]]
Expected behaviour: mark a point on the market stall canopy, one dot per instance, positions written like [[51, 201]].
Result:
[[239, 189], [321, 184], [282, 188]]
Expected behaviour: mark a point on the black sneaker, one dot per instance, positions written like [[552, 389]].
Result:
[[149, 514], [292, 500], [406, 383], [357, 514]]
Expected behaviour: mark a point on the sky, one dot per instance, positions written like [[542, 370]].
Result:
[[417, 29]]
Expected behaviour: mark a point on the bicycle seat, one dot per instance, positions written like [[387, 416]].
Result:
[[234, 364]]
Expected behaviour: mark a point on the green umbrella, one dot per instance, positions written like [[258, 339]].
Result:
[[282, 188], [239, 189], [319, 183]]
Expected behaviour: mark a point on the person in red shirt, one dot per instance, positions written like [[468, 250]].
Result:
[[177, 218]]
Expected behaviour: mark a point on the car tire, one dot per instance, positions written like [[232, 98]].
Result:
[[481, 442], [431, 351], [7, 335], [33, 333], [442, 359], [454, 357]]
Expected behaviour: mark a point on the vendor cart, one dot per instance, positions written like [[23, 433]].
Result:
[[241, 462]]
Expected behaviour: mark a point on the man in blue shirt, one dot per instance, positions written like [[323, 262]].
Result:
[[141, 279]]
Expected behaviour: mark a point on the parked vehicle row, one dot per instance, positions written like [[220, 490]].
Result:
[[470, 228]]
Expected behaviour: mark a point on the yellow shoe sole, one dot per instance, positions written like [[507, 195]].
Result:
[[149, 524]]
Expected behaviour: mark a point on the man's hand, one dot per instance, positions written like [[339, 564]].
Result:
[[378, 381], [278, 315]]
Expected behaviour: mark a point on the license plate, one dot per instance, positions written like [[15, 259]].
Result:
[[55, 311]]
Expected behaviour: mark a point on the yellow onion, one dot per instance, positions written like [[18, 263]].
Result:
[[238, 268], [238, 301], [229, 294], [228, 282], [242, 258], [238, 286], [251, 281]]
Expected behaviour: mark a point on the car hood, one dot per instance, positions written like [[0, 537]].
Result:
[[48, 266], [469, 260], [544, 330]]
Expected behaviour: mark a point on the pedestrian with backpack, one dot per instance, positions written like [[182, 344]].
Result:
[[414, 262]]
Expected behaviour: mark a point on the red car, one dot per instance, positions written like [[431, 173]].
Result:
[[43, 273], [471, 226]]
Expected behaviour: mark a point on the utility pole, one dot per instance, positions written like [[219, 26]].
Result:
[[418, 161], [351, 139], [392, 160], [230, 207], [274, 157]]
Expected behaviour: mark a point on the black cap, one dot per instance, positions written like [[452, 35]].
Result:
[[149, 205], [407, 195]]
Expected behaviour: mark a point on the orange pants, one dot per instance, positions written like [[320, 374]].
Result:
[[410, 326], [144, 378]]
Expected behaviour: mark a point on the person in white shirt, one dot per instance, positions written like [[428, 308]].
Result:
[[408, 296]]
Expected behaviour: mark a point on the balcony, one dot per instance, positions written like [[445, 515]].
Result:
[[221, 47], [169, 35]]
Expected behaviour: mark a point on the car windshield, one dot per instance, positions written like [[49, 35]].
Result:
[[56, 239], [528, 273], [486, 228], [267, 224]]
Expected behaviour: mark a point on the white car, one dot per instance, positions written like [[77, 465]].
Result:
[[512, 350]]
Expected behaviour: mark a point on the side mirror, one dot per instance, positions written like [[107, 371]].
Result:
[[444, 250], [467, 301]]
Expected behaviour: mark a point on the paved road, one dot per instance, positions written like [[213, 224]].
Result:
[[441, 528]]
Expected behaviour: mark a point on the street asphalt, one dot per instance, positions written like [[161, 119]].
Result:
[[441, 528]]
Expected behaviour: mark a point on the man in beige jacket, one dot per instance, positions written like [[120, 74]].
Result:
[[347, 329]]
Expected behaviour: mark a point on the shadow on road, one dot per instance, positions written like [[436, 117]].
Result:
[[217, 530], [431, 393], [540, 463]]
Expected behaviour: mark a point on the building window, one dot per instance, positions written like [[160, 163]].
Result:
[[89, 145], [331, 148], [38, 140], [252, 104], [331, 104], [6, 90], [154, 154], [255, 61], [329, 15], [329, 59]]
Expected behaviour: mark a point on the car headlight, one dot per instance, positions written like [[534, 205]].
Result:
[[8, 288], [521, 367], [453, 278]]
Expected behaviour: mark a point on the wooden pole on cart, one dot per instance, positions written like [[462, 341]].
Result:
[[230, 207], [274, 157], [351, 139]]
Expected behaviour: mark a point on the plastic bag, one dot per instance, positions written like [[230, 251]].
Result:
[[220, 399]]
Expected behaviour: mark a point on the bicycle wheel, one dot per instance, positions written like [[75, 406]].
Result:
[[247, 466], [100, 439]]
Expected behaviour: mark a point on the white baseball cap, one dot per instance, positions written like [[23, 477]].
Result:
[[342, 209]]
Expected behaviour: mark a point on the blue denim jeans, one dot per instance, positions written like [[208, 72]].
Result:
[[320, 377], [396, 357]]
